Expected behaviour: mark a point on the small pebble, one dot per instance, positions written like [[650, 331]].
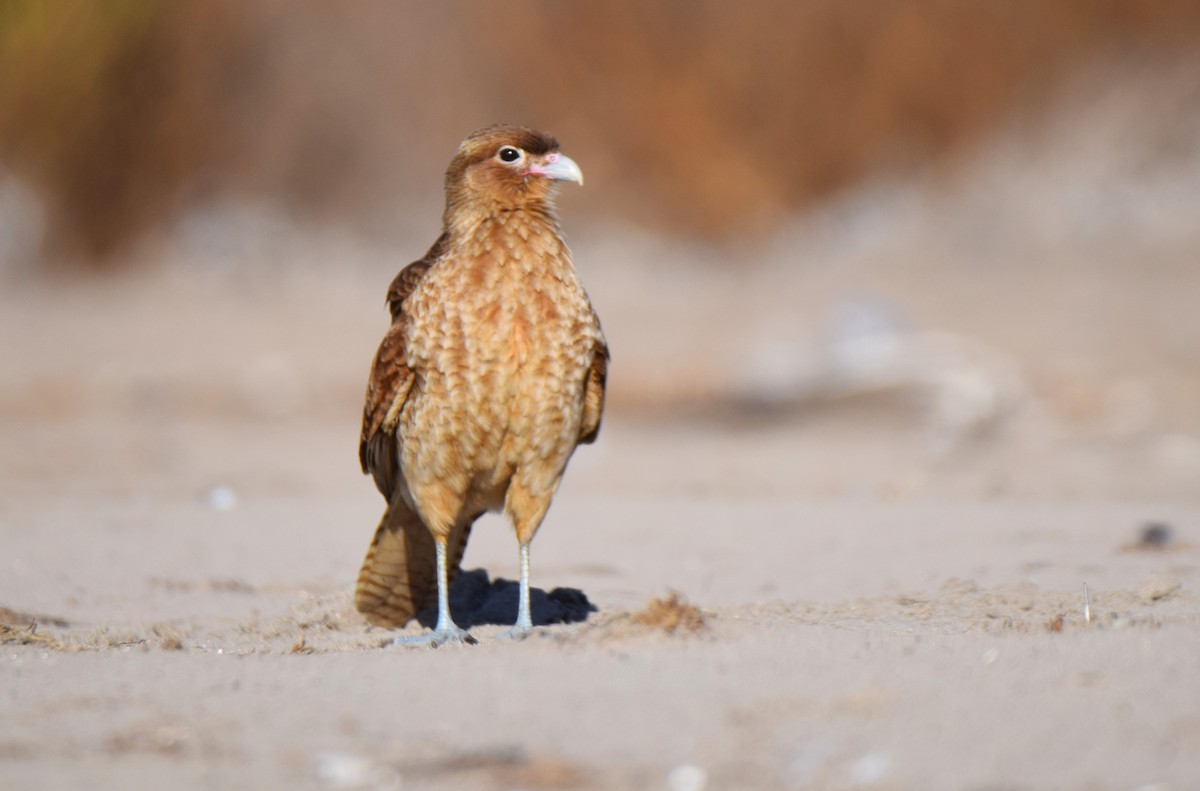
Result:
[[870, 769], [687, 777], [1155, 535], [349, 771], [221, 498]]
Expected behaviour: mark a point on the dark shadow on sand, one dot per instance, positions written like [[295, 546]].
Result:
[[475, 600]]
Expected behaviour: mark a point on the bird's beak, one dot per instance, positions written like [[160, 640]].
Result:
[[560, 167]]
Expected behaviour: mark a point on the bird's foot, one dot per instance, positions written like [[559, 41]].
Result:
[[516, 633], [438, 637], [519, 631]]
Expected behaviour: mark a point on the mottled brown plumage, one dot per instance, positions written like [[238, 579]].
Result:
[[492, 372]]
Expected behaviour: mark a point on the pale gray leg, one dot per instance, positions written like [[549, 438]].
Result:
[[446, 630], [524, 624]]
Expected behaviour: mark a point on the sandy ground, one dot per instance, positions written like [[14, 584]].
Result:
[[835, 534]]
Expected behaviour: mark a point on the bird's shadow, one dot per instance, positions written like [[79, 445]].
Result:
[[475, 600]]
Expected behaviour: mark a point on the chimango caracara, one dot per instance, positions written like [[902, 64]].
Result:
[[492, 372]]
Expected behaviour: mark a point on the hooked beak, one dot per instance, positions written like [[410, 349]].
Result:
[[558, 166]]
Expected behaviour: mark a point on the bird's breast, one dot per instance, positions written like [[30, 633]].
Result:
[[500, 340]]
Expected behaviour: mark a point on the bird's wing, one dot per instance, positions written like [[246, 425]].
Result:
[[391, 380], [593, 395]]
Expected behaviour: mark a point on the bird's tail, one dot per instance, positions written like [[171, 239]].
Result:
[[399, 575]]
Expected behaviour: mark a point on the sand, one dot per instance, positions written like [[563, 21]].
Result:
[[776, 575]]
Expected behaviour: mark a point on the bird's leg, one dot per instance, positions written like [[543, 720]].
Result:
[[524, 624], [446, 631], [526, 505]]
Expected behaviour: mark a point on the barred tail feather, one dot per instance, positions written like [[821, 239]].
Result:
[[399, 575]]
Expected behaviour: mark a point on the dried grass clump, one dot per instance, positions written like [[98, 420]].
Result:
[[28, 635], [671, 613]]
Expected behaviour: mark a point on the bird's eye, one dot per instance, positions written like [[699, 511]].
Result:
[[509, 154]]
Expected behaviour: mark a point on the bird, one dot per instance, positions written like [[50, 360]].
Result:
[[492, 372]]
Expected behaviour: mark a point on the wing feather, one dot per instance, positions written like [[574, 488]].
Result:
[[593, 396], [391, 380]]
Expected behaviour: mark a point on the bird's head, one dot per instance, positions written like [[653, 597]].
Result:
[[506, 167]]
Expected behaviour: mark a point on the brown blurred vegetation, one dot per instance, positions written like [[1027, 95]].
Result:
[[701, 117]]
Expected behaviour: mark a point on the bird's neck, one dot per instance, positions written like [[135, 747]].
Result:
[[520, 244], [464, 219], [530, 228]]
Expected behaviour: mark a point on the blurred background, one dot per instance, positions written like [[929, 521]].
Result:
[[840, 248]]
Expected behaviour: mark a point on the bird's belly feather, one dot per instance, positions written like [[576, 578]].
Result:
[[498, 387]]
